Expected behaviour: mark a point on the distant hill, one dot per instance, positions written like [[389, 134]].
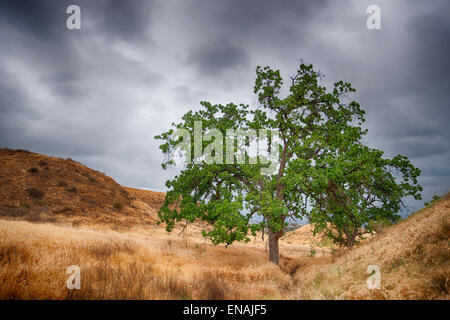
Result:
[[38, 187], [304, 234]]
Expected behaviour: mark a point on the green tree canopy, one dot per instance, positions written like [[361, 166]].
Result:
[[319, 136], [353, 187]]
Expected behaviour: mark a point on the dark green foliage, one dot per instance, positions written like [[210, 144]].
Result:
[[434, 199], [117, 205], [354, 187]]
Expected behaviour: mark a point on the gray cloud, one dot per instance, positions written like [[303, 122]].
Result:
[[214, 57], [128, 20], [100, 94]]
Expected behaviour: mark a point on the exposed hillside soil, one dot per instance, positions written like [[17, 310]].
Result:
[[41, 188]]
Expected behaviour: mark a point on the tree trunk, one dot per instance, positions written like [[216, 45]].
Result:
[[273, 247], [351, 237], [351, 241]]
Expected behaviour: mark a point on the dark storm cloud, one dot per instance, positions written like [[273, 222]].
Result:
[[408, 109], [101, 93], [216, 56], [127, 20], [40, 18], [70, 93], [44, 18], [229, 32], [263, 17], [411, 113], [431, 32]]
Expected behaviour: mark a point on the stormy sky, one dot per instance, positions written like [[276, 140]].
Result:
[[100, 94]]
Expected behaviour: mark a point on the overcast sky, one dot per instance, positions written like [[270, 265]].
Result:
[[100, 94]]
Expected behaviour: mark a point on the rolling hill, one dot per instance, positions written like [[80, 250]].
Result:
[[43, 188]]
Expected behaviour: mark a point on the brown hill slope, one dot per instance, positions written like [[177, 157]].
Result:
[[413, 257], [36, 187]]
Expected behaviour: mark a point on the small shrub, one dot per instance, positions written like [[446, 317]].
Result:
[[22, 151], [33, 170], [72, 189], [35, 193], [25, 205], [434, 199], [125, 193], [62, 184], [117, 206]]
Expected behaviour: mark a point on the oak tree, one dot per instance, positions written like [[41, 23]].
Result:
[[315, 125]]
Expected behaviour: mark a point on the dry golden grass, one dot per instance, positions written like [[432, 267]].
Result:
[[34, 258], [146, 263]]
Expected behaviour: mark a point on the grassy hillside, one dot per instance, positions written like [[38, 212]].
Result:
[[36, 187], [413, 256]]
